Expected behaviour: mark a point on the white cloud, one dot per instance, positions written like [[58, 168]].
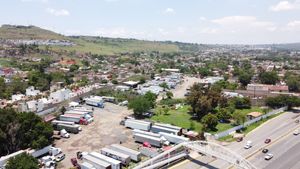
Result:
[[42, 1], [292, 26], [60, 12], [202, 18], [169, 10], [244, 23], [286, 6]]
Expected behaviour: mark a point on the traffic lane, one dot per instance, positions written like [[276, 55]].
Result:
[[286, 143], [273, 129], [289, 159]]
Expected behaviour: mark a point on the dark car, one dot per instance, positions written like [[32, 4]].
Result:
[[239, 139], [267, 141], [265, 150]]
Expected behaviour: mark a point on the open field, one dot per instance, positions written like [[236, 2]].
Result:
[[104, 131]]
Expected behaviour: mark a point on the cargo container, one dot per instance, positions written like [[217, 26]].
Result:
[[157, 142], [134, 155], [55, 122], [86, 165], [157, 129], [125, 159], [168, 126], [115, 164], [84, 109], [78, 111], [97, 163], [69, 128], [135, 124], [94, 102], [81, 114], [172, 138], [73, 118], [136, 131]]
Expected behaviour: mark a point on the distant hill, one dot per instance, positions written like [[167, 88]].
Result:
[[27, 32]]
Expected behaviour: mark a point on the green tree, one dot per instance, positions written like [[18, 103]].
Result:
[[139, 105], [224, 115], [22, 161], [268, 77], [74, 68], [169, 95], [239, 117], [151, 97], [164, 85], [245, 78], [209, 121], [114, 81]]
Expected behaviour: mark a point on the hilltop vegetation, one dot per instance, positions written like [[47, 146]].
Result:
[[28, 32], [87, 44]]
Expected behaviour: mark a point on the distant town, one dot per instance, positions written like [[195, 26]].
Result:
[[166, 106]]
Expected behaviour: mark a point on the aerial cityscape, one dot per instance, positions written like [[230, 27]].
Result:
[[150, 84]]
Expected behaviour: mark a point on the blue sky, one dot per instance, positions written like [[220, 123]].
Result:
[[200, 21]]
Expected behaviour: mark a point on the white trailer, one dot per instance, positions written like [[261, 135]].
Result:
[[157, 129], [125, 159], [40, 152], [136, 131], [55, 122], [94, 102], [86, 165], [134, 155], [168, 126], [78, 111], [115, 164], [172, 138], [134, 124], [97, 163], [157, 142]]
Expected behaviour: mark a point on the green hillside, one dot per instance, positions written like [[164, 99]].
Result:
[[86, 44], [27, 32]]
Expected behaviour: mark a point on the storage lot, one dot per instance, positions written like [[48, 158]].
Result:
[[104, 131]]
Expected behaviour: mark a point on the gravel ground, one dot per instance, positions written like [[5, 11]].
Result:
[[180, 90], [105, 130]]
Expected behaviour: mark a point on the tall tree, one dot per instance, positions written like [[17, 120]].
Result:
[[22, 161]]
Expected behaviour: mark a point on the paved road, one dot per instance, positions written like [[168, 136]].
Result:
[[286, 154], [274, 129]]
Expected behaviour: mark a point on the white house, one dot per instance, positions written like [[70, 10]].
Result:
[[60, 95], [31, 92], [17, 97]]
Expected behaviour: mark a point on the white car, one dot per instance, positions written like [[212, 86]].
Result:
[[268, 156], [248, 145], [296, 132]]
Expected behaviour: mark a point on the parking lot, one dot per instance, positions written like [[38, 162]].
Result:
[[105, 130], [180, 90]]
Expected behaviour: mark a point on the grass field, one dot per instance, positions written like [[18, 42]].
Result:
[[182, 118]]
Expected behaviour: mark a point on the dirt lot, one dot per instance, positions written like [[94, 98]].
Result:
[[180, 90], [105, 130]]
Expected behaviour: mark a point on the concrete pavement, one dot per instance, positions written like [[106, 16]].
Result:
[[274, 129]]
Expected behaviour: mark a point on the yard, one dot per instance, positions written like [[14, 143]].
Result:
[[182, 118]]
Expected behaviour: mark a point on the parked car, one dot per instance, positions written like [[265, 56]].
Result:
[[268, 156], [239, 139], [296, 132], [267, 141], [248, 145], [265, 150], [60, 157]]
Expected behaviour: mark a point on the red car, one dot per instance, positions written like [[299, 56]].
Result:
[[267, 141]]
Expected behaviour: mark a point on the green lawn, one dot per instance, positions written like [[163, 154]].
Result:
[[250, 128], [179, 117], [252, 109]]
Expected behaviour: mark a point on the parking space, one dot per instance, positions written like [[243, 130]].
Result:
[[105, 130], [180, 90]]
